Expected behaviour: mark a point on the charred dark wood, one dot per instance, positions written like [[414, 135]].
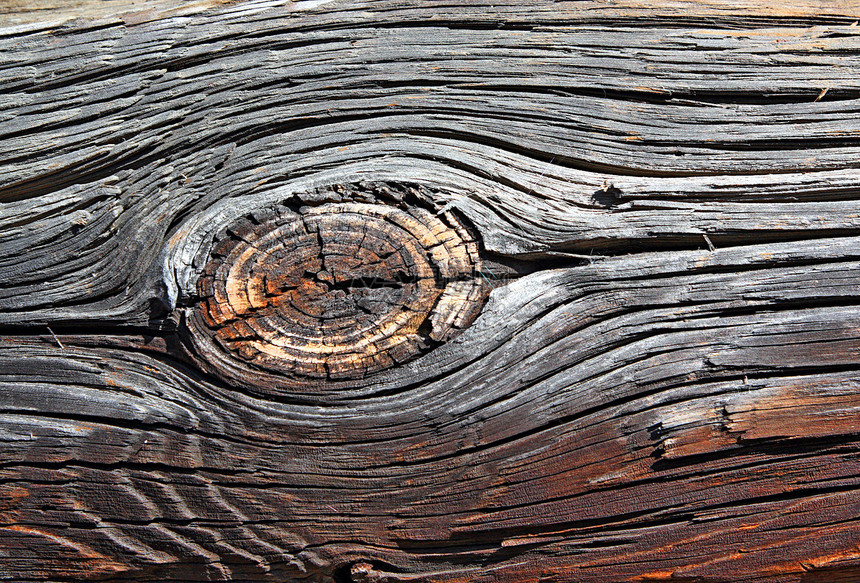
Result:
[[590, 273]]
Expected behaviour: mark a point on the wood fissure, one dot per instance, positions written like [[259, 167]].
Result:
[[592, 273], [338, 291]]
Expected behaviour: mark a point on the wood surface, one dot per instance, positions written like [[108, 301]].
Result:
[[661, 386], [37, 13]]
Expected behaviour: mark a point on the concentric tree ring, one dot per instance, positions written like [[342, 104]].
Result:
[[338, 291]]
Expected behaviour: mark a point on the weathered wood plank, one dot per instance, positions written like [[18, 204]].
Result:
[[37, 13], [663, 384]]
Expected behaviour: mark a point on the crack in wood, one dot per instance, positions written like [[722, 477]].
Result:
[[661, 386], [339, 290]]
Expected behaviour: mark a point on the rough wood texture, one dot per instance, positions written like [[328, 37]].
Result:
[[34, 12], [335, 291], [662, 386]]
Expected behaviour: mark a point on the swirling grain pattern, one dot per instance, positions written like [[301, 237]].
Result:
[[589, 274]]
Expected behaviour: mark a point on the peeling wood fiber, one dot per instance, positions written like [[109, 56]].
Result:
[[662, 385]]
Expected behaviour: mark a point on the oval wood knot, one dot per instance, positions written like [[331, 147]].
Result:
[[339, 290]]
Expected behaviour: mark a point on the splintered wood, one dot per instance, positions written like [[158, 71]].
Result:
[[338, 291], [243, 255]]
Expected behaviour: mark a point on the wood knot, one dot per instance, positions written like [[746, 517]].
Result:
[[339, 290]]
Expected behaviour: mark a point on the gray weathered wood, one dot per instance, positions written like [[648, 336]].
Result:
[[663, 384]]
